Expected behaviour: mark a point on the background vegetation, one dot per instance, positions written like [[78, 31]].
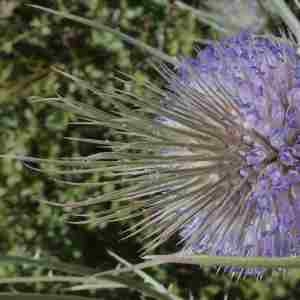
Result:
[[31, 42]]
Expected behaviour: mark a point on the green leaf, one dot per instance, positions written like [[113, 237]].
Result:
[[30, 296], [147, 278], [132, 283], [159, 287], [49, 264], [49, 279], [84, 282], [90, 283]]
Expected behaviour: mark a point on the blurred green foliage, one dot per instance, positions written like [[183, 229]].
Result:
[[31, 43]]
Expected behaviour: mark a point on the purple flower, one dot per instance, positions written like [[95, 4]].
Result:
[[214, 156], [253, 84]]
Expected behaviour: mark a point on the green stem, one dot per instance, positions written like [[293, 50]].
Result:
[[233, 261], [97, 25]]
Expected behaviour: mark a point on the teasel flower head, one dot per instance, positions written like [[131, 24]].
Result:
[[252, 204], [213, 156]]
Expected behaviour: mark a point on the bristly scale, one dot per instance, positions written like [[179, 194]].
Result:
[[214, 157]]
